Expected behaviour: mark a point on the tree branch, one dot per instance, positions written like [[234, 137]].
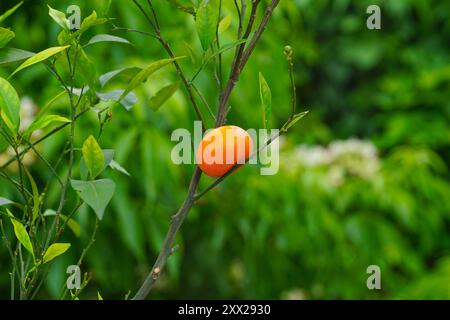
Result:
[[180, 216]]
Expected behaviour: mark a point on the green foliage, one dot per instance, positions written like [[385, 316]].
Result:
[[6, 36], [54, 251], [43, 122], [163, 95], [266, 100], [9, 107], [21, 234], [311, 230], [97, 193], [145, 73], [39, 57], [206, 22], [93, 156]]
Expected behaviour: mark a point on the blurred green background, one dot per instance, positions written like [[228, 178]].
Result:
[[363, 178]]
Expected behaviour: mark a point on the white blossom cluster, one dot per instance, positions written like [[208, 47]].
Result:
[[340, 159]]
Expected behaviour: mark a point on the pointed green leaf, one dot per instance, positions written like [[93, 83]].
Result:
[[6, 36], [4, 201], [126, 74], [97, 194], [39, 57], [99, 296], [11, 55], [59, 17], [266, 100], [224, 24], [163, 95], [206, 22], [9, 106], [54, 251], [116, 166], [21, 234], [43, 122], [294, 120], [109, 156], [106, 38], [145, 73], [93, 156], [10, 12], [35, 192]]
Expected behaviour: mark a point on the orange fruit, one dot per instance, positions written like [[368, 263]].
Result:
[[222, 148]]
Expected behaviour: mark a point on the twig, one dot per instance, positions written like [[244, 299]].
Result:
[[178, 219]]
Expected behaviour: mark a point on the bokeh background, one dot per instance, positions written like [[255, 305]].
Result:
[[363, 178]]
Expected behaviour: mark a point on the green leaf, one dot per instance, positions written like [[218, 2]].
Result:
[[9, 106], [163, 95], [54, 251], [99, 296], [35, 192], [126, 74], [116, 166], [39, 57], [43, 122], [90, 22], [6, 36], [145, 73], [266, 100], [10, 12], [71, 223], [21, 234], [224, 24], [88, 71], [206, 22], [4, 201], [109, 156], [97, 194], [11, 55], [59, 17], [106, 38], [294, 120], [93, 156], [116, 95]]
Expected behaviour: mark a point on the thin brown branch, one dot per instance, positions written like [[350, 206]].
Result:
[[180, 216]]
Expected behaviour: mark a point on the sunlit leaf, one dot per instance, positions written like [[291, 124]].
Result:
[[10, 12], [59, 17], [54, 251], [116, 166], [93, 156], [4, 201], [39, 57], [106, 38], [21, 234], [294, 120], [43, 122], [6, 36], [224, 24], [9, 106]]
